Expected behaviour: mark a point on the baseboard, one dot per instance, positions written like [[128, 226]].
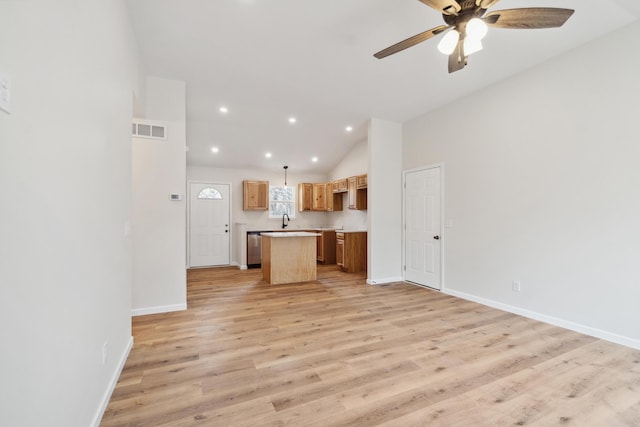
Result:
[[158, 309], [242, 267], [384, 280], [576, 327], [112, 384]]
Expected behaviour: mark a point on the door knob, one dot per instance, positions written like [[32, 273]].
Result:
[[226, 231], [436, 237]]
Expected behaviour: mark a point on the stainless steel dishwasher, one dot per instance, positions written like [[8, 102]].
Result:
[[254, 249]]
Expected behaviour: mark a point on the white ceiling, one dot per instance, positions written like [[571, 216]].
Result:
[[267, 60]]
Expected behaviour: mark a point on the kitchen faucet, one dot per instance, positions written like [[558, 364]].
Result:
[[283, 224]]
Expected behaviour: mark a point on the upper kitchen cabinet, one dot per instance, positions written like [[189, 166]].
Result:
[[340, 186], [361, 181], [319, 197], [357, 196], [334, 200], [255, 195], [305, 197]]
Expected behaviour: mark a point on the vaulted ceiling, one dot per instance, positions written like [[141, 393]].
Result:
[[269, 60]]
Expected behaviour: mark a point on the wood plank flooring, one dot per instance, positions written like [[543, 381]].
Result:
[[337, 352]]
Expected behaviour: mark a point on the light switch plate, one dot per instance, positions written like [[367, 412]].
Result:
[[5, 92]]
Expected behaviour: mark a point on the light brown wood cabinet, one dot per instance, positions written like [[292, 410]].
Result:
[[361, 181], [340, 186], [255, 195], [326, 246], [357, 197], [351, 251], [305, 195], [340, 250], [319, 197], [334, 200]]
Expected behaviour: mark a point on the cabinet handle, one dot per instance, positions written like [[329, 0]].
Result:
[[436, 237]]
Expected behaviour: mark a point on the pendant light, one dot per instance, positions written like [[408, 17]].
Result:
[[285, 174]]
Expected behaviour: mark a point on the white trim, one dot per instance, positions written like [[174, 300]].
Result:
[[188, 234], [385, 280], [242, 267], [158, 309], [404, 221], [420, 285], [576, 327], [112, 384]]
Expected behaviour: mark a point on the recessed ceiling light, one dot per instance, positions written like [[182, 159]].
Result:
[[215, 149], [348, 128], [314, 159], [267, 155], [224, 110], [292, 120]]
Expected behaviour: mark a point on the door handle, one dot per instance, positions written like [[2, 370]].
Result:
[[226, 231], [436, 237]]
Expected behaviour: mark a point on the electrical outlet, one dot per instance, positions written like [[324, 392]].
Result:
[[104, 353], [515, 286]]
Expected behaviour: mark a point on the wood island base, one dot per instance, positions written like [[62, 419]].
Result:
[[289, 257]]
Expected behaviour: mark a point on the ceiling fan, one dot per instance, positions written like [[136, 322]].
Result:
[[467, 25]]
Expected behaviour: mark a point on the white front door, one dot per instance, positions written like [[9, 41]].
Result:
[[422, 227], [209, 228]]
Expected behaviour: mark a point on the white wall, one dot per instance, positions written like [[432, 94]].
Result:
[[541, 183], [355, 162], [65, 168], [384, 235], [159, 169]]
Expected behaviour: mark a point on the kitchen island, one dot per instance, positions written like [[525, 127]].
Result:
[[289, 257]]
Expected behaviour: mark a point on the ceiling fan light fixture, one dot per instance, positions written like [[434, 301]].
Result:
[[449, 42], [476, 29], [472, 45]]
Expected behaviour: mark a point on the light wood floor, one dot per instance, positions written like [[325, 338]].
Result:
[[337, 352]]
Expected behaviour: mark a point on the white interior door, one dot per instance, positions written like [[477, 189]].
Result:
[[209, 228], [422, 227]]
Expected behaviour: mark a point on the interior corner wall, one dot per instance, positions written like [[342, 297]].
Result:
[[65, 165], [159, 224], [384, 199], [541, 186]]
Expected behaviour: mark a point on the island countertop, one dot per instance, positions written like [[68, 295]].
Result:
[[290, 234]]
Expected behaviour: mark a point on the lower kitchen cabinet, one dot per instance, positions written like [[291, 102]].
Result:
[[326, 247], [351, 251]]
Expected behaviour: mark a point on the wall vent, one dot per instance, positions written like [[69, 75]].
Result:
[[148, 130]]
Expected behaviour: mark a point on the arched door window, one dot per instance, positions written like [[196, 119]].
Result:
[[210, 193]]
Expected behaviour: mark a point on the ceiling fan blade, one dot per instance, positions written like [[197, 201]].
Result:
[[448, 7], [411, 41], [486, 4], [457, 59], [526, 18]]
